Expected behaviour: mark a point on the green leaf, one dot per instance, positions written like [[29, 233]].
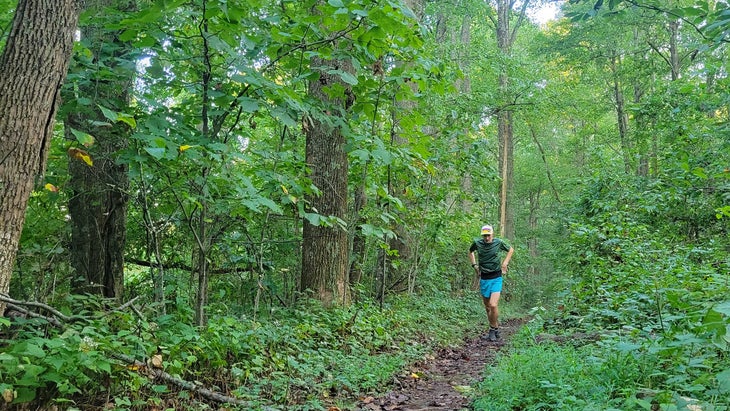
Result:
[[86, 139], [723, 308], [156, 152], [25, 394], [248, 105], [283, 116], [723, 381], [361, 154], [313, 218], [128, 35], [345, 76], [128, 120], [33, 350], [109, 114]]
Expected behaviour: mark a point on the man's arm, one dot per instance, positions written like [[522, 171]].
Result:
[[507, 258], [475, 266]]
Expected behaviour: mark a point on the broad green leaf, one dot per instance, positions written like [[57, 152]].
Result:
[[723, 308], [345, 76], [156, 152], [248, 105], [723, 382], [109, 114], [313, 218], [86, 139], [128, 120], [25, 394], [361, 154], [283, 116]]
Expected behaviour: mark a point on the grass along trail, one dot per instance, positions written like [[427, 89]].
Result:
[[444, 381]]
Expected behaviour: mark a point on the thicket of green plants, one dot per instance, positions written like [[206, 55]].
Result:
[[642, 243], [621, 207], [643, 320], [302, 358]]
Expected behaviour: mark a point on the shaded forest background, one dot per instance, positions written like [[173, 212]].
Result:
[[276, 199]]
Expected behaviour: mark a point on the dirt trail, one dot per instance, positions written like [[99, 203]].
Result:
[[443, 382]]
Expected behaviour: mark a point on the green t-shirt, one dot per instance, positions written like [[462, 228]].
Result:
[[488, 255]]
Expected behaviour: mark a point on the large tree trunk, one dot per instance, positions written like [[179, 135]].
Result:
[[33, 66], [325, 253], [99, 202]]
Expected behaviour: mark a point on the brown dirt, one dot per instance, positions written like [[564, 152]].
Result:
[[443, 382]]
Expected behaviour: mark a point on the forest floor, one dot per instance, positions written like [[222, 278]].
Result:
[[443, 381]]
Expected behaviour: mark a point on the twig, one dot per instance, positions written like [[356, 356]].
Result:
[[46, 307]]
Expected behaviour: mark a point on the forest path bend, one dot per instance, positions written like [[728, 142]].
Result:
[[444, 381]]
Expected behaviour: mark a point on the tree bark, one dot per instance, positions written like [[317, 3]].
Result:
[[621, 116], [325, 252], [98, 207], [505, 133], [33, 66]]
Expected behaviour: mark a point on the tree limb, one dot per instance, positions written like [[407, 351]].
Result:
[[58, 314], [186, 385]]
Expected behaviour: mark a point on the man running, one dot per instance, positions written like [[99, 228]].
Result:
[[485, 259]]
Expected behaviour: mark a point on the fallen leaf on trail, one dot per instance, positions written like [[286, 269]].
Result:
[[463, 388], [156, 361]]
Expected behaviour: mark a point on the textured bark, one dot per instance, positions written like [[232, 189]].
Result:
[[99, 202], [33, 66], [325, 253]]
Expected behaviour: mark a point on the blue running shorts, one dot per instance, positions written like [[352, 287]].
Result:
[[487, 287]]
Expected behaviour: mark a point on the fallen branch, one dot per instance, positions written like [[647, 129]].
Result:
[[29, 313], [187, 385], [46, 307]]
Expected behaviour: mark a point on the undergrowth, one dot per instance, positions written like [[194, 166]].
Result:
[[304, 358], [643, 324]]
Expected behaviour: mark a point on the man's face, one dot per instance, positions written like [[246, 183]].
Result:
[[487, 237]]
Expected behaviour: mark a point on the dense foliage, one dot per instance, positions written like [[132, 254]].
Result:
[[622, 187], [301, 358]]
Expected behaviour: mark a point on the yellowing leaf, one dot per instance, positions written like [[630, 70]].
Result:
[[81, 155], [185, 147], [50, 187], [8, 395], [284, 190]]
